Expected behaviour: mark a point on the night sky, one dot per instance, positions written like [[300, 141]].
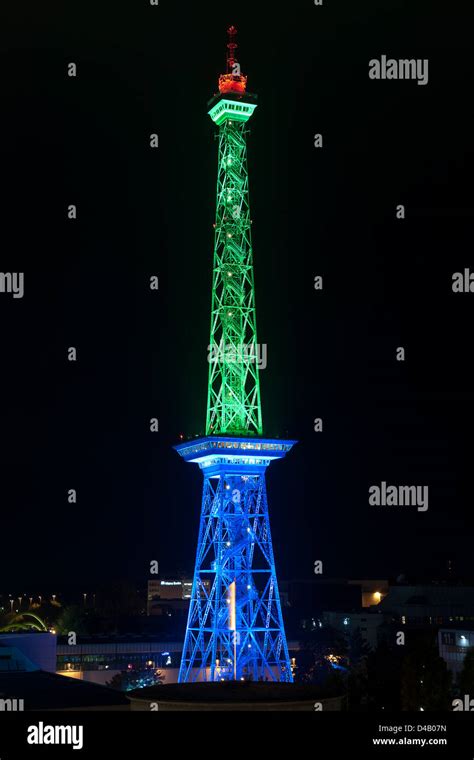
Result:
[[141, 212]]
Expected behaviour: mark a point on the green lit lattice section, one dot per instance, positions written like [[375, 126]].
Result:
[[233, 405]]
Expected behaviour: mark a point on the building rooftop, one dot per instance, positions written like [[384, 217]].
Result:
[[233, 691], [47, 691]]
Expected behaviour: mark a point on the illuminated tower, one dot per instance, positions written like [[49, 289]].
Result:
[[235, 626]]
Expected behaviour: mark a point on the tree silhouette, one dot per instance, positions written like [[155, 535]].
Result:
[[466, 677], [72, 618], [315, 646], [384, 674], [425, 682]]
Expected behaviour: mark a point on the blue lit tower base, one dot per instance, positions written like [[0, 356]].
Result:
[[235, 627]]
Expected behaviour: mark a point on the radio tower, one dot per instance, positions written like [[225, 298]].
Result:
[[235, 626]]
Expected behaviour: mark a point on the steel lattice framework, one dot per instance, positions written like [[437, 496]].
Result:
[[235, 626], [233, 405]]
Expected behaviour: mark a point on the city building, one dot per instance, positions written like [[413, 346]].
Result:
[[168, 589], [347, 623], [25, 686], [37, 647], [373, 591], [99, 658], [309, 599], [453, 644], [429, 604]]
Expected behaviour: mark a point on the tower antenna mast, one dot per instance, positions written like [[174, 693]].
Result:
[[231, 48]]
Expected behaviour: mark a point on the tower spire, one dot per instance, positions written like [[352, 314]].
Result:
[[231, 48], [233, 80], [233, 405]]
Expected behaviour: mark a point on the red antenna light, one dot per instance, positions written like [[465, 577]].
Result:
[[231, 48], [230, 81]]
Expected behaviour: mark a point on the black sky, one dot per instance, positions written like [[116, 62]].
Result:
[[387, 283]]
